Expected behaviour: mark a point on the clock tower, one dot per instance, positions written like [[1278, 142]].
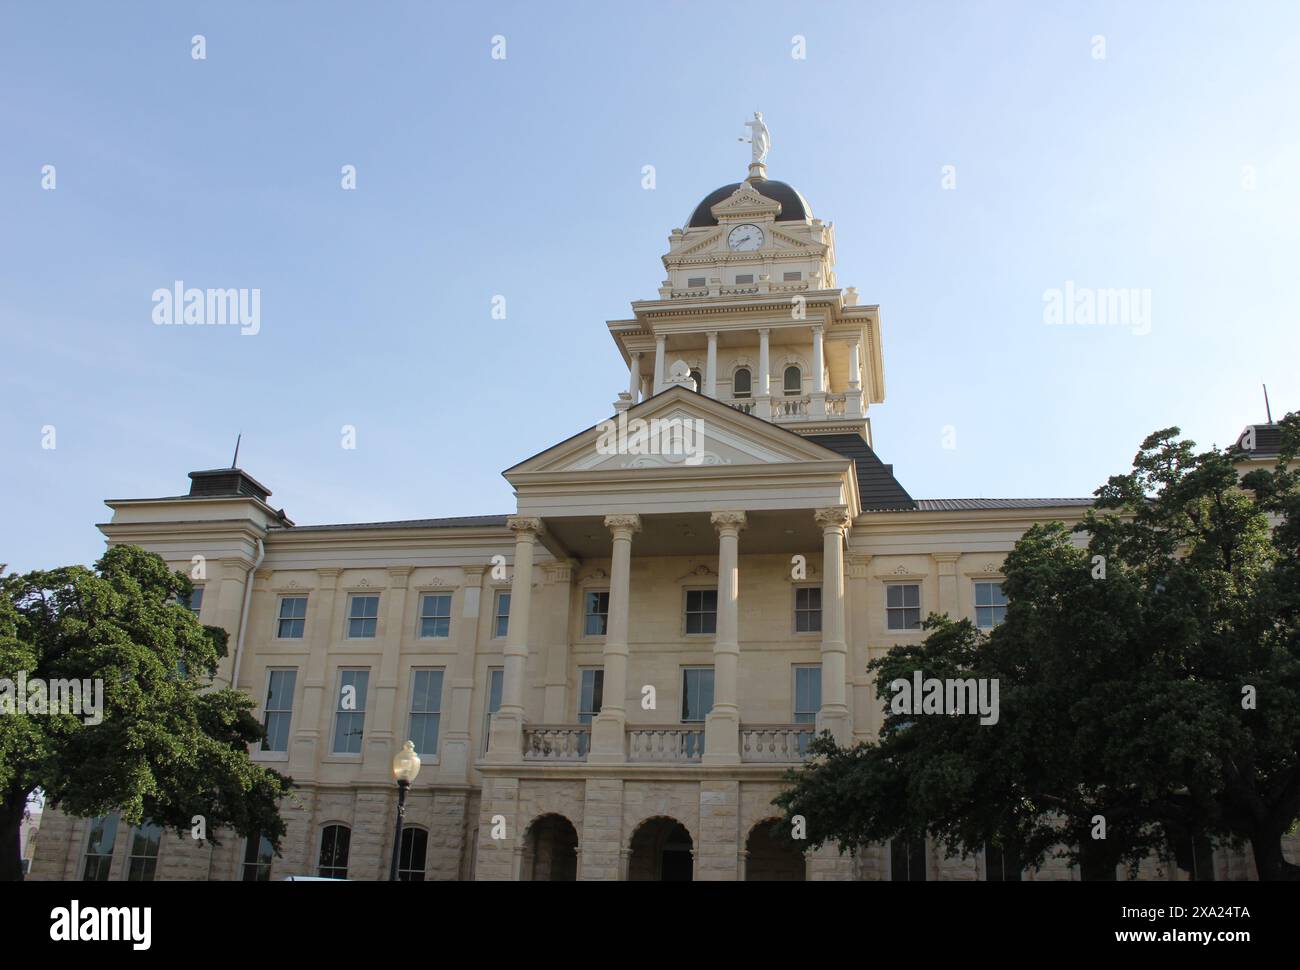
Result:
[[752, 307]]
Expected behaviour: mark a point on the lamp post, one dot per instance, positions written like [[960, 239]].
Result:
[[406, 765]]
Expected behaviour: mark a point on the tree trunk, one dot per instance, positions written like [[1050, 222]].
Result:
[[11, 823], [1266, 843]]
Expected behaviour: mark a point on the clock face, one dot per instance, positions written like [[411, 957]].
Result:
[[744, 239]]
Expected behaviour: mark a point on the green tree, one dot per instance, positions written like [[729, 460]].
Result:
[[1150, 680], [169, 747]]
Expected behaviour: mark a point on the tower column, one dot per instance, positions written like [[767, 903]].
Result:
[[834, 713], [506, 738], [607, 729], [660, 373], [763, 393], [711, 366], [722, 726], [634, 375], [818, 408]]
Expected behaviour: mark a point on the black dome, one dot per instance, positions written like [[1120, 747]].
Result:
[[794, 207]]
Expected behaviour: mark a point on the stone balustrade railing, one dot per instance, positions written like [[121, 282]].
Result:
[[774, 742], [556, 742], [670, 743], [790, 407]]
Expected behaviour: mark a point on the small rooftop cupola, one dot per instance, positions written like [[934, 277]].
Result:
[[226, 481]]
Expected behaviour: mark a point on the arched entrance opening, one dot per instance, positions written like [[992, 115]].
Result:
[[771, 856], [662, 851], [550, 850]]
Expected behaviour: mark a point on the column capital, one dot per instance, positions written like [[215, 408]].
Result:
[[711, 334], [473, 575], [628, 522], [728, 520], [818, 328], [524, 525], [835, 517], [764, 330]]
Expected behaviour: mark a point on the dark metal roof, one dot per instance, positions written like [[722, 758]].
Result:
[[878, 489], [1268, 440], [794, 207], [459, 522], [990, 504], [227, 481]]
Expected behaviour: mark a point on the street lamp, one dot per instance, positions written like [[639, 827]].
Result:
[[406, 765]]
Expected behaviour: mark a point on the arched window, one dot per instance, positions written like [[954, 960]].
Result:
[[334, 842], [793, 380], [740, 384], [410, 862], [699, 381]]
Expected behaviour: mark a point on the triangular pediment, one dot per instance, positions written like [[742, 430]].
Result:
[[676, 428], [746, 202]]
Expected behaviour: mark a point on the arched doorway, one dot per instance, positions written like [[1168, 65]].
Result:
[[771, 856], [550, 850], [662, 851]]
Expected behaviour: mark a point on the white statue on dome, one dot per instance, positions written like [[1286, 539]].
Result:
[[760, 139]]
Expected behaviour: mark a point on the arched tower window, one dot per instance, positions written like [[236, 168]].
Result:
[[699, 380], [740, 383], [793, 380]]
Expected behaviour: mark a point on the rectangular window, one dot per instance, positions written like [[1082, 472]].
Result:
[[496, 681], [350, 710], [501, 615], [279, 708], [907, 860], [142, 864], [744, 278], [595, 612], [792, 277], [990, 605], [426, 705], [257, 859], [697, 694], [363, 617], [807, 693], [293, 618], [903, 606], [335, 841], [590, 693], [1000, 865], [701, 611], [435, 615], [99, 848], [195, 602], [694, 281], [808, 609]]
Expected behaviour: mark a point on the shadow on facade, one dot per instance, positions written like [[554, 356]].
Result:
[[550, 850], [772, 857], [662, 851]]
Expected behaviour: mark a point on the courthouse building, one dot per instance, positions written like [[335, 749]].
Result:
[[609, 681]]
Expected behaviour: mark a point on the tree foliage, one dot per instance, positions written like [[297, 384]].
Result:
[[169, 748], [1149, 676]]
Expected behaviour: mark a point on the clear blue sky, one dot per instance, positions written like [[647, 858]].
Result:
[[523, 177]]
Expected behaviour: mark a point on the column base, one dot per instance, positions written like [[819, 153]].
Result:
[[506, 738], [608, 740], [838, 723], [722, 737]]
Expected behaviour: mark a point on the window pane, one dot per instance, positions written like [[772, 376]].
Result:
[[350, 716], [793, 380], [502, 615], [697, 693], [411, 858], [257, 859], [590, 695], [435, 615], [334, 844], [596, 613], [426, 702], [741, 383]]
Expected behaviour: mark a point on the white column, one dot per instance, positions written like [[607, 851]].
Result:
[[660, 371], [645, 387], [607, 730], [722, 726], [853, 396], [634, 375], [763, 392], [834, 713], [711, 366], [506, 739], [818, 408]]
